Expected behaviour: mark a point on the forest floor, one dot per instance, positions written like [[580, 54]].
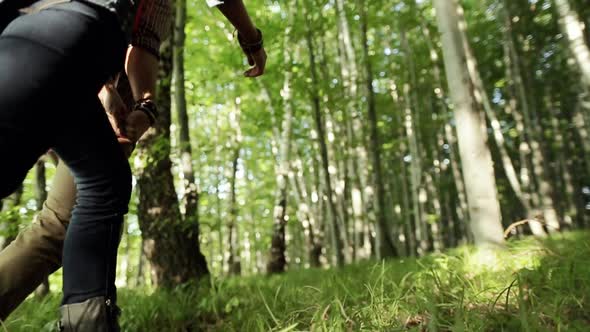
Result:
[[532, 285]]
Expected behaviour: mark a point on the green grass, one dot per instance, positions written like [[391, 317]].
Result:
[[530, 286]]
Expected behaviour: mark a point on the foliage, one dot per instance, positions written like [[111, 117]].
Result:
[[531, 285]]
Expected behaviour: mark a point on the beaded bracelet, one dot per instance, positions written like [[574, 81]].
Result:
[[250, 48], [148, 107]]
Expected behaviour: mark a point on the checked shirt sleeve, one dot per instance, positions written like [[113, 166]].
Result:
[[152, 25]]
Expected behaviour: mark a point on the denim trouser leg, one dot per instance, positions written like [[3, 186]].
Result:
[[52, 65], [103, 182]]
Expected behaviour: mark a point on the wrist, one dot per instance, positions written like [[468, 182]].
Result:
[[149, 108], [249, 34], [251, 45]]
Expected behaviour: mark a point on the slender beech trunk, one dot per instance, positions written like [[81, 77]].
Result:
[[337, 168], [234, 264], [568, 207], [482, 98], [384, 244], [435, 231], [170, 244], [409, 121], [277, 261], [140, 276], [335, 226], [449, 133], [305, 215], [356, 154], [218, 200], [233, 260], [410, 238], [484, 208], [573, 29], [542, 199], [191, 190]]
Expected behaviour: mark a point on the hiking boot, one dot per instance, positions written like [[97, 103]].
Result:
[[93, 315]]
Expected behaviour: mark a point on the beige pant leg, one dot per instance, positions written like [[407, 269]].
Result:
[[37, 251]]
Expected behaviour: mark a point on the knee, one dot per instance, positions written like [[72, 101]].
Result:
[[121, 184], [108, 193]]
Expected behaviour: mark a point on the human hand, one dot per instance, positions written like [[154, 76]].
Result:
[[258, 61], [137, 123], [252, 45], [115, 108]]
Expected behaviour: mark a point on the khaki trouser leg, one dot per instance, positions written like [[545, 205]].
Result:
[[37, 251]]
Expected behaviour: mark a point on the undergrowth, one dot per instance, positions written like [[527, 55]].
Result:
[[531, 285]]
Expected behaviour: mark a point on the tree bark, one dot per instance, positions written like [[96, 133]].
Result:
[[170, 244], [335, 226], [233, 260], [541, 199], [384, 244], [573, 29], [191, 190], [484, 208], [277, 262]]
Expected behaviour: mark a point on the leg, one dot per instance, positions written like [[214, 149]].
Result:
[[103, 181], [37, 251], [61, 94]]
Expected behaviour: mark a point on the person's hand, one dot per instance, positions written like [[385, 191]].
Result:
[[115, 108], [258, 61], [252, 45], [137, 123]]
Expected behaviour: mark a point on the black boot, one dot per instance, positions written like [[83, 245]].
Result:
[[97, 314]]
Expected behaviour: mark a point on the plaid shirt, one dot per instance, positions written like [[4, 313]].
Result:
[[153, 23]]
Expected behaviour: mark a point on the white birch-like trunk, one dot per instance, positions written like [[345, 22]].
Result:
[[478, 171], [573, 29]]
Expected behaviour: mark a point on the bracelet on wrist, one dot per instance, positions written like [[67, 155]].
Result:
[[250, 48], [148, 107]]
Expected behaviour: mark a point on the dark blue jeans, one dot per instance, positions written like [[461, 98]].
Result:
[[52, 65]]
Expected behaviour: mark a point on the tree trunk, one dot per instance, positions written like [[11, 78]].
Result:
[[233, 260], [191, 190], [140, 277], [542, 200], [384, 244], [305, 215], [277, 261], [170, 245], [409, 223], [461, 209], [334, 224], [483, 100], [484, 208], [356, 151], [573, 29]]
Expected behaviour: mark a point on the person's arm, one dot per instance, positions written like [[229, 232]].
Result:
[[152, 25], [115, 108], [237, 15], [142, 69]]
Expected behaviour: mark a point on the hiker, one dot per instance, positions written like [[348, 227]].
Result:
[[54, 59], [37, 250], [77, 130]]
